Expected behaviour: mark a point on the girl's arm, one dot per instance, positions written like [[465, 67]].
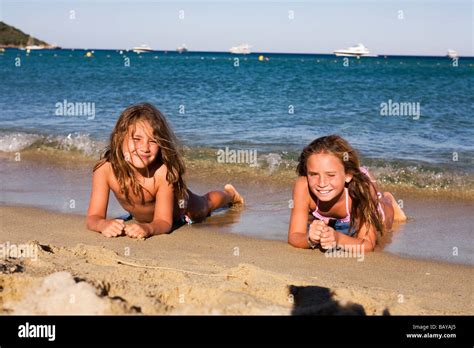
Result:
[[297, 231], [97, 212]]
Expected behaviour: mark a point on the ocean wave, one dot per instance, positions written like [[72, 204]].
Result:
[[13, 142], [281, 166], [276, 167], [74, 142]]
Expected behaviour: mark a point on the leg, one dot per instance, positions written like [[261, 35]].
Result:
[[219, 199], [398, 214], [236, 197], [200, 207]]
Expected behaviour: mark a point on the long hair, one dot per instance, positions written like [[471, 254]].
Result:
[[364, 206], [168, 152]]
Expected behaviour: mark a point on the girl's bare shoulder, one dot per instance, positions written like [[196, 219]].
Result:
[[104, 169], [300, 190], [301, 184], [104, 172], [160, 173]]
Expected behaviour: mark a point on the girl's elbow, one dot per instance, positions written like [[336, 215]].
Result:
[[91, 223], [160, 227], [88, 223], [167, 229], [294, 242], [368, 247], [290, 240]]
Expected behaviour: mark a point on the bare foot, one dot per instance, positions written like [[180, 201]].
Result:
[[236, 197], [398, 214]]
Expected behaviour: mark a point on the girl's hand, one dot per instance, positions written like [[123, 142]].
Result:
[[315, 230], [136, 231], [328, 238], [112, 228]]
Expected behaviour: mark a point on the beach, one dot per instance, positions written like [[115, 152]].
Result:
[[238, 261], [197, 270]]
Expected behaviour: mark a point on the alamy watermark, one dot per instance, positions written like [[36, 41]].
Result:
[[28, 330], [349, 251], [237, 156], [16, 251], [392, 108], [66, 108]]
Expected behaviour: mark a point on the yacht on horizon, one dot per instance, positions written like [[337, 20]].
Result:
[[240, 49], [142, 48], [452, 54], [355, 51], [182, 49]]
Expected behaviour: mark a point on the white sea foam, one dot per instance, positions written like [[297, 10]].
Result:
[[18, 141], [80, 142]]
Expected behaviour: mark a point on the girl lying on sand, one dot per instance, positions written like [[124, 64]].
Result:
[[144, 169], [343, 197]]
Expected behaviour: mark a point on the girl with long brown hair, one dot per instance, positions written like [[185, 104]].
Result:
[[144, 169], [342, 197]]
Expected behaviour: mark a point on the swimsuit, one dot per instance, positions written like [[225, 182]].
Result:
[[340, 225], [125, 217], [343, 225]]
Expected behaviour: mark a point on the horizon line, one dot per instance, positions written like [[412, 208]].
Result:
[[227, 52]]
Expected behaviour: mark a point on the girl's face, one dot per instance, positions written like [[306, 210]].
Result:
[[139, 147], [326, 176]]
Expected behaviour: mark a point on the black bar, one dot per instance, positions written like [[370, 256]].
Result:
[[224, 330]]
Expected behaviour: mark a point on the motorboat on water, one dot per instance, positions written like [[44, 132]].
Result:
[[30, 46], [355, 51], [452, 54], [240, 49], [142, 49], [182, 49]]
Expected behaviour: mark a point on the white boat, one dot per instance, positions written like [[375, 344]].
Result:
[[240, 49], [182, 48], [142, 48], [34, 47], [30, 47], [355, 51], [452, 54]]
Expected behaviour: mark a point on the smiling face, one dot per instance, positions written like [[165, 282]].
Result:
[[326, 176], [139, 146]]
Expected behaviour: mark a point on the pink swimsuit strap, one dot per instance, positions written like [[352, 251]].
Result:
[[318, 216]]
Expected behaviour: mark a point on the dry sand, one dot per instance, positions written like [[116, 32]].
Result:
[[195, 270]]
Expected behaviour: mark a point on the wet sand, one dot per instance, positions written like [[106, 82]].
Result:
[[438, 227], [200, 270]]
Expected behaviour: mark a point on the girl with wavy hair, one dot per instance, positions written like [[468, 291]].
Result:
[[342, 197], [144, 169]]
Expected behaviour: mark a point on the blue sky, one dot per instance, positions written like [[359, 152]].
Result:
[[427, 27]]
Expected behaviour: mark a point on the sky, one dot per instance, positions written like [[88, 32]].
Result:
[[412, 27]]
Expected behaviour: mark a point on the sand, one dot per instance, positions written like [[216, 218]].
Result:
[[195, 270]]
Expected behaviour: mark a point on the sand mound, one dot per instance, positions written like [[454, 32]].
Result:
[[59, 293], [87, 279], [105, 283]]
